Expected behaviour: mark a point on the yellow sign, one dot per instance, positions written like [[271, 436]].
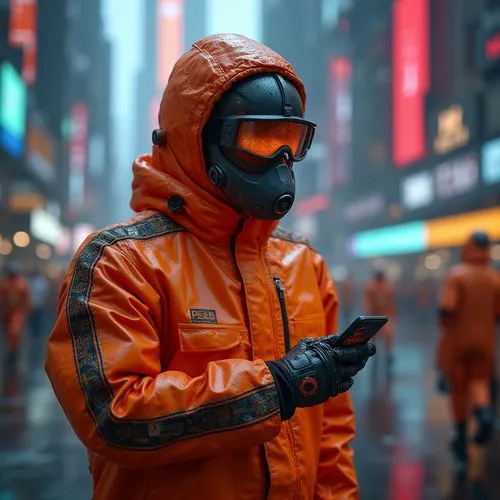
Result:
[[452, 131], [26, 202], [454, 230]]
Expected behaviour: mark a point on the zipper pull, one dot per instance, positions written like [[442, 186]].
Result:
[[279, 285], [284, 315]]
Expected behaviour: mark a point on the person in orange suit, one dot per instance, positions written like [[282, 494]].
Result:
[[347, 291], [380, 300], [469, 307], [189, 351], [15, 307]]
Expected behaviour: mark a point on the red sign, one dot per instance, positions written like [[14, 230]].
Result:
[[78, 144], [23, 33], [411, 79], [170, 38], [312, 205], [29, 64], [78, 140], [340, 118], [492, 47]]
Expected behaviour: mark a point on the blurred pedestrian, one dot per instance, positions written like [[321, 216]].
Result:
[[189, 351], [40, 288], [347, 297], [469, 306], [380, 300], [15, 307]]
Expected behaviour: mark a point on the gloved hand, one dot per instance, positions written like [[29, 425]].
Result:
[[314, 371]]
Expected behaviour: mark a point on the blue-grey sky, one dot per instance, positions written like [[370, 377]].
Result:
[[235, 16], [124, 29]]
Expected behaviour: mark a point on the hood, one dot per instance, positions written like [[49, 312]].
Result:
[[473, 253], [198, 80]]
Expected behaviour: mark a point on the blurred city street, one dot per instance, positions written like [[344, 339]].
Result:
[[402, 444], [388, 167], [40, 456]]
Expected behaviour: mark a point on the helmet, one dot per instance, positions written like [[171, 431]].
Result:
[[254, 135], [481, 239]]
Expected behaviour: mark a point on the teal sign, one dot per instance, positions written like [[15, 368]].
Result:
[[392, 240], [13, 102]]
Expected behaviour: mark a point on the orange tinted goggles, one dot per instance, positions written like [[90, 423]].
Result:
[[267, 137]]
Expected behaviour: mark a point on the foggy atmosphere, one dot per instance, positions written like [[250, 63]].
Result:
[[276, 277]]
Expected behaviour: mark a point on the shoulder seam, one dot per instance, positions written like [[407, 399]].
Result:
[[147, 228], [284, 234]]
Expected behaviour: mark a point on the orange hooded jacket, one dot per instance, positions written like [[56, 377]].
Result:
[[471, 297], [157, 356]]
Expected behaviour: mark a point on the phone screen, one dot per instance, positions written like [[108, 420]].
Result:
[[360, 331]]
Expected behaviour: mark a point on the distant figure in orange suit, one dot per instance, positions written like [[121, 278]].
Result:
[[347, 295], [469, 306], [15, 306], [380, 300]]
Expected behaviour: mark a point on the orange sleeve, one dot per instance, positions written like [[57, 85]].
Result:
[[104, 365], [336, 476]]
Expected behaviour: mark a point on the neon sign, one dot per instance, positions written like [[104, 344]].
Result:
[[411, 80], [492, 47], [452, 131]]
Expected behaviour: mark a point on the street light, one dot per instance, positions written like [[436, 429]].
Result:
[[43, 251], [5, 247], [21, 239]]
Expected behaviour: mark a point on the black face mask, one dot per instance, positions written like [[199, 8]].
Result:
[[260, 186], [267, 195]]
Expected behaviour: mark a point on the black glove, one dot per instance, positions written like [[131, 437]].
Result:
[[314, 371]]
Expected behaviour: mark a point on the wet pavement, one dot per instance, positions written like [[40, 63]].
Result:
[[40, 457], [404, 430], [401, 445]]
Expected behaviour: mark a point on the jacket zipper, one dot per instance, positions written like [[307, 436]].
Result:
[[266, 475], [284, 315], [286, 329]]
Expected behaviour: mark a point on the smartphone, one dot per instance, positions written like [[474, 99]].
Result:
[[360, 331]]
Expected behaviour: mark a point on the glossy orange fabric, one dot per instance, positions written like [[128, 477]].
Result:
[[15, 306], [164, 325], [471, 295]]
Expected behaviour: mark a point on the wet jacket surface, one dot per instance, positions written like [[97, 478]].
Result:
[[165, 322], [471, 298]]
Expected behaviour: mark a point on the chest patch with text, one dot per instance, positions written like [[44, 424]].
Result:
[[203, 316]]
